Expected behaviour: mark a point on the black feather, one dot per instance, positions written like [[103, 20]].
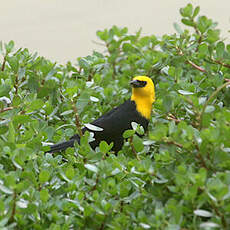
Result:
[[113, 123]]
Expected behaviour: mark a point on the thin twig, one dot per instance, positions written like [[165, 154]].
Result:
[[180, 52], [170, 142], [77, 119], [6, 109], [16, 84], [4, 63], [224, 222], [196, 66], [213, 61], [133, 149], [221, 63], [95, 186], [14, 207], [171, 117]]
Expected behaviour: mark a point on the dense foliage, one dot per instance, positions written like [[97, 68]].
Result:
[[176, 177]]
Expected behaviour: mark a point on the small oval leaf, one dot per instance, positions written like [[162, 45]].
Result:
[[5, 189], [91, 167], [201, 212], [93, 127], [209, 109], [184, 92], [94, 99]]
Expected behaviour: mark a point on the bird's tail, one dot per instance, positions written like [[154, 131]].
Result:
[[64, 145]]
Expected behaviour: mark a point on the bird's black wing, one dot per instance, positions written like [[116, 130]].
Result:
[[115, 122]]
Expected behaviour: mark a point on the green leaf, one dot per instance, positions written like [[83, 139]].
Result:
[[84, 63], [9, 47], [203, 24], [134, 125], [177, 28], [35, 105], [44, 195], [16, 100], [33, 83], [67, 112], [209, 109], [91, 167], [228, 48], [137, 142], [93, 99], [104, 147], [82, 101], [203, 50], [203, 213], [213, 35], [6, 190], [187, 22], [70, 172], [50, 131], [196, 12], [159, 132], [13, 62], [44, 176], [11, 134], [93, 127], [145, 226], [208, 225], [128, 133], [220, 47], [4, 89], [127, 47], [21, 73], [21, 119], [187, 11], [22, 203], [184, 92]]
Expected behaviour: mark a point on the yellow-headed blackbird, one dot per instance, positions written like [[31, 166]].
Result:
[[115, 122]]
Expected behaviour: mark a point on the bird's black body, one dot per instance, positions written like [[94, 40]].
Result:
[[113, 123]]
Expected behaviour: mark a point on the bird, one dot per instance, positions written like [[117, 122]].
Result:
[[114, 123]]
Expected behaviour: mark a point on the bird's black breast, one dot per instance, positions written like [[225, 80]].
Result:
[[115, 122]]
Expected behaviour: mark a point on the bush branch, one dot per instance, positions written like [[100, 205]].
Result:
[[77, 119], [171, 117], [14, 207], [6, 109], [171, 142], [181, 53], [218, 213], [221, 63], [132, 147], [196, 66], [4, 63]]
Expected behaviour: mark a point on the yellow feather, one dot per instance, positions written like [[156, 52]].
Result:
[[144, 96]]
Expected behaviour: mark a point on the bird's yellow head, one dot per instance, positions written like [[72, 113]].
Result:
[[143, 94]]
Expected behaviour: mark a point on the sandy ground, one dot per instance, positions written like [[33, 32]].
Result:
[[63, 30]]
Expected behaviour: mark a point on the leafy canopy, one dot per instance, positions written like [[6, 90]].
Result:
[[177, 177]]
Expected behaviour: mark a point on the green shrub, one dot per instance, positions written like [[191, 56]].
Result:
[[179, 176]]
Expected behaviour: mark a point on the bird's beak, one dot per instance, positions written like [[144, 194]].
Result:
[[134, 83], [137, 84]]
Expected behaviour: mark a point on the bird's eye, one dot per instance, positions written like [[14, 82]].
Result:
[[142, 83]]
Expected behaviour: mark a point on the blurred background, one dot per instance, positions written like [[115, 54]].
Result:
[[63, 30]]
